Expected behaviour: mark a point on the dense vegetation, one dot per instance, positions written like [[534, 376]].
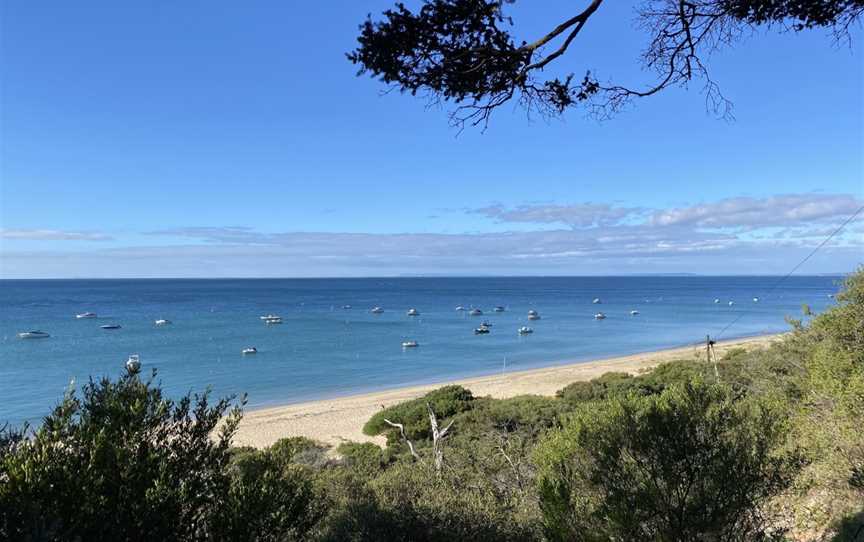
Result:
[[771, 447]]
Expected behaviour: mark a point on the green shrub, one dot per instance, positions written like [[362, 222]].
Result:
[[122, 462], [299, 451], [688, 464], [413, 414], [365, 458]]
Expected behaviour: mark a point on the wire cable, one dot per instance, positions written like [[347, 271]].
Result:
[[799, 264]]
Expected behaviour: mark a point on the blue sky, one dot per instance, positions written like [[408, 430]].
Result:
[[219, 139]]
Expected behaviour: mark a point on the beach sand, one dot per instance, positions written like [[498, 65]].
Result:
[[333, 421]]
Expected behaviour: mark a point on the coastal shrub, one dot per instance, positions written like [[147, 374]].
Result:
[[122, 462], [364, 458], [688, 464], [298, 450], [831, 414], [446, 402], [530, 415], [268, 499], [410, 502]]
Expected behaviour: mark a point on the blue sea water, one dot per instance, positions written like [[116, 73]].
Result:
[[323, 350]]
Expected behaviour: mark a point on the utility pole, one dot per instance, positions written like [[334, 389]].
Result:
[[712, 356]]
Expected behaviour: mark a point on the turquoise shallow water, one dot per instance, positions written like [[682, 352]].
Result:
[[323, 350]]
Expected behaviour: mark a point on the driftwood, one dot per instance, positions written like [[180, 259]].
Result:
[[438, 437], [404, 437]]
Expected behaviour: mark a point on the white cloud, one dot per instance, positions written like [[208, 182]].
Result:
[[51, 235], [744, 212], [579, 215]]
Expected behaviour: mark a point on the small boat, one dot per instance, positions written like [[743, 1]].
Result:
[[110, 326], [717, 300], [485, 324], [275, 320], [376, 310], [249, 350], [731, 303], [596, 301], [33, 334], [85, 315], [460, 308], [831, 296], [475, 312], [410, 344], [634, 312], [346, 307], [270, 317], [534, 316], [413, 312], [755, 300], [162, 322], [498, 309], [482, 330], [133, 364], [525, 330], [599, 316], [532, 312]]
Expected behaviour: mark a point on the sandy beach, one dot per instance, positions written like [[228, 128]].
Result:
[[333, 421]]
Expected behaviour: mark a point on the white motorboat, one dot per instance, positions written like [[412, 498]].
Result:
[[482, 330], [634, 312], [270, 317], [717, 300], [755, 300], [599, 316], [376, 310], [534, 316], [346, 307], [498, 309], [110, 326], [413, 312], [532, 312], [525, 330], [249, 350], [475, 312], [410, 344], [133, 364], [596, 301], [85, 315], [33, 334], [731, 303], [162, 322], [275, 320], [460, 308]]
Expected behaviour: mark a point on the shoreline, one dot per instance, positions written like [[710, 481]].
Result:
[[340, 419]]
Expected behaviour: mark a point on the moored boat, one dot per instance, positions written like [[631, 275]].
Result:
[[110, 326], [133, 364], [413, 312], [525, 330], [33, 334], [85, 315], [410, 344]]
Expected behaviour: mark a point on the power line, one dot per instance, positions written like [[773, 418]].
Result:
[[799, 264]]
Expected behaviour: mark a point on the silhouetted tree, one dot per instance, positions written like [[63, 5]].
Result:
[[463, 51]]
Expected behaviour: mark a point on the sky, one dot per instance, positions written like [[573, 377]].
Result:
[[202, 139]]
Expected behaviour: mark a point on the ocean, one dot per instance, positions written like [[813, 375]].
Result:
[[324, 349]]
